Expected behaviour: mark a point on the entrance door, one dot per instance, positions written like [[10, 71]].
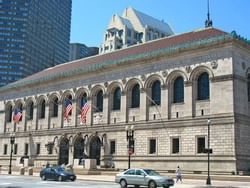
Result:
[[95, 149], [64, 152], [79, 148]]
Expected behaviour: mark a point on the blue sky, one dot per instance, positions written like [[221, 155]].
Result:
[[90, 18]]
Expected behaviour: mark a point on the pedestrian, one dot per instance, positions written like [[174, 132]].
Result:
[[178, 174]]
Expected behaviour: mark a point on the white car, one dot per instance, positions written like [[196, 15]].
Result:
[[143, 177]]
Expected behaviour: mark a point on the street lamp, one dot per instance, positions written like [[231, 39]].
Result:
[[208, 152], [130, 138], [12, 141]]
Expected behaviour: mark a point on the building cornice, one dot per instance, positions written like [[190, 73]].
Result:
[[163, 52]]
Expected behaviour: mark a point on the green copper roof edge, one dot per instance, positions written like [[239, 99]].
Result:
[[146, 55]]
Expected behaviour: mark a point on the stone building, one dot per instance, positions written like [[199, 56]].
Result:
[[167, 89], [133, 27]]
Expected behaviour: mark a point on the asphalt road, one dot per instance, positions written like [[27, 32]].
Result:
[[12, 181], [35, 182]]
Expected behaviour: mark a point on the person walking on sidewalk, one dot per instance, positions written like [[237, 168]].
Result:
[[178, 174]]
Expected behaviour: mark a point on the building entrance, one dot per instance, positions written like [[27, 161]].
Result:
[[63, 152], [79, 148], [95, 149]]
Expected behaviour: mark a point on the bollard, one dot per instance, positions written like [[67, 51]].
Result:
[[22, 170], [30, 171]]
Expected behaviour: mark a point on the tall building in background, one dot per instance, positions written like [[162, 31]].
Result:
[[34, 35], [78, 51], [131, 28]]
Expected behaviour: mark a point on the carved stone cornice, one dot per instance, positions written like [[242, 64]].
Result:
[[164, 87], [123, 93], [105, 95], [143, 90], [222, 78], [188, 83]]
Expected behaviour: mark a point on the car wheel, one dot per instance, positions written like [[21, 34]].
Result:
[[43, 177], [60, 178], [152, 184], [123, 183]]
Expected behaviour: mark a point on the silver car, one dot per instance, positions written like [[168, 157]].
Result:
[[143, 177]]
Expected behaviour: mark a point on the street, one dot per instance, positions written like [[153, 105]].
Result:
[[7, 181], [11, 181]]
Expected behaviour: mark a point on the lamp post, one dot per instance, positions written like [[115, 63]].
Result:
[[12, 141], [208, 152], [130, 139]]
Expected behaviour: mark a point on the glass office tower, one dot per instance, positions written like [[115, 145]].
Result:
[[34, 35]]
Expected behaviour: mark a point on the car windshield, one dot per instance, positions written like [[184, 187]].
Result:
[[151, 172], [60, 169]]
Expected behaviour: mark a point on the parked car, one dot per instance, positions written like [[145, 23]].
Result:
[[143, 177], [57, 173]]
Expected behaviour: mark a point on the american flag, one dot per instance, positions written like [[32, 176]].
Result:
[[68, 109], [17, 115], [84, 112]]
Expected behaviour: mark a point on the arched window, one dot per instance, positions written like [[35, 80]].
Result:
[[178, 90], [18, 116], [156, 93], [135, 96], [99, 101], [42, 109], [55, 107], [117, 99], [30, 110], [203, 87], [248, 87], [83, 100]]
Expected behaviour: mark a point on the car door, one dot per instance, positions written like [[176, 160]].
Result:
[[140, 177], [53, 174], [47, 173], [130, 177]]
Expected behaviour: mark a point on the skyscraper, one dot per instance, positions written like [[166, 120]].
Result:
[[78, 51], [34, 35]]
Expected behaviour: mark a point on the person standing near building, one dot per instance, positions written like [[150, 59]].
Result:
[[178, 174]]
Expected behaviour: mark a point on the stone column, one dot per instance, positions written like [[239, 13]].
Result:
[[89, 115], [35, 116], [124, 107], [106, 110], [71, 152], [47, 114], [73, 121], [188, 100], [60, 114], [143, 104], [164, 102]]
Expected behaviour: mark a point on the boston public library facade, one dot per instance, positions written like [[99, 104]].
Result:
[[167, 89]]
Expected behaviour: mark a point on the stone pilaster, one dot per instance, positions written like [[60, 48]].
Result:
[[124, 108], [143, 104], [106, 109], [164, 102]]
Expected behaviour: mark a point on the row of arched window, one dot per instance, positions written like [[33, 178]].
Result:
[[97, 100]]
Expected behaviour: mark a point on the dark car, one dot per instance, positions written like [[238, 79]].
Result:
[[57, 173], [143, 177]]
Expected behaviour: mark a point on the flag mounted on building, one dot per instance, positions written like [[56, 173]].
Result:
[[84, 112], [17, 115], [67, 109]]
